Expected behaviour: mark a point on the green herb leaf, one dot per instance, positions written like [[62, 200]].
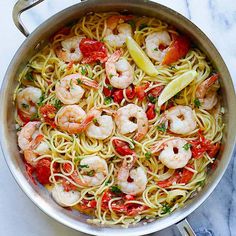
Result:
[[115, 189], [29, 77], [18, 129], [152, 99], [197, 103], [165, 209], [24, 105], [142, 26], [34, 116], [187, 146], [40, 103], [109, 87], [91, 173], [111, 75], [132, 23], [83, 71], [155, 49], [172, 67], [76, 159], [102, 40], [57, 104], [108, 100], [95, 120], [107, 182], [83, 166], [161, 127], [79, 81], [201, 183], [148, 155]]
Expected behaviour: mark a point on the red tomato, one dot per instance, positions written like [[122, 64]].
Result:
[[42, 171], [48, 113], [140, 92], [23, 117], [86, 204], [178, 48], [30, 170], [122, 147], [202, 145], [129, 197], [93, 51], [107, 92], [68, 186], [130, 92], [166, 106], [155, 92], [213, 150], [186, 175], [107, 196], [135, 209], [151, 111], [118, 207], [118, 95], [168, 182]]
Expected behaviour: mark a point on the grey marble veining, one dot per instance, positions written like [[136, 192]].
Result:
[[216, 216]]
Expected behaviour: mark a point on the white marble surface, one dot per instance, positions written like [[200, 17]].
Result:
[[217, 216]]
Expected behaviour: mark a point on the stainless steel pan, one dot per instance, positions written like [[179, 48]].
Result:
[[36, 40]]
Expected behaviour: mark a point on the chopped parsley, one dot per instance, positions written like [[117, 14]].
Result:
[[107, 182], [152, 99], [161, 127], [79, 81], [201, 183], [142, 26], [83, 71], [172, 67], [197, 103], [132, 23], [29, 77], [155, 49], [91, 173], [34, 116], [108, 100], [18, 129], [115, 189], [76, 159], [57, 104], [102, 40], [111, 75], [83, 166], [40, 103], [95, 120], [114, 157], [165, 209], [148, 155], [109, 87], [187, 146], [24, 105]]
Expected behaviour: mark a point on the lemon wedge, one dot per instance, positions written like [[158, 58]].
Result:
[[140, 58], [176, 85]]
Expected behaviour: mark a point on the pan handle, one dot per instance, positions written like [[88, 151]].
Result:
[[184, 228], [20, 7]]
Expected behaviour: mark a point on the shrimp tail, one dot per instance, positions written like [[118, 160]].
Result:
[[89, 82], [115, 56]]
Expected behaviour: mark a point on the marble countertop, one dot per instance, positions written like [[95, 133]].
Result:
[[217, 216]]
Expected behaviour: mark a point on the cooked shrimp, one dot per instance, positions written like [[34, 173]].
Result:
[[181, 119], [73, 119], [95, 170], [207, 97], [65, 198], [120, 72], [68, 89], [70, 50], [154, 44], [124, 30], [101, 128], [138, 176], [27, 100], [174, 155], [31, 142], [123, 119]]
